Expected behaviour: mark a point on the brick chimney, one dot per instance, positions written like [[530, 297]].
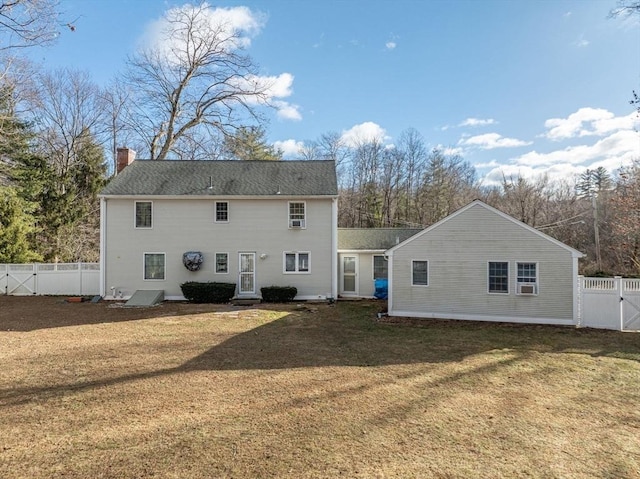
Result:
[[125, 157]]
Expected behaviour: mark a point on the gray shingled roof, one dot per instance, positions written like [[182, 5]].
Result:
[[233, 178], [373, 238]]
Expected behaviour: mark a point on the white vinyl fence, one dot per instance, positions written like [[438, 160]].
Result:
[[79, 279], [610, 303]]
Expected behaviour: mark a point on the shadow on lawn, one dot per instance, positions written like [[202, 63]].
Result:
[[340, 337], [32, 313]]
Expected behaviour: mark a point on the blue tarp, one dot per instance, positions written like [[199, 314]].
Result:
[[382, 287]]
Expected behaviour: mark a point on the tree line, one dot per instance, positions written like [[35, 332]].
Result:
[[202, 99]]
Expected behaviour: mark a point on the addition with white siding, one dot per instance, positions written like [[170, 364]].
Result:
[[361, 258], [482, 264]]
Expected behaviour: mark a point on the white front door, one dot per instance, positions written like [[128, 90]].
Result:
[[349, 275], [247, 279]]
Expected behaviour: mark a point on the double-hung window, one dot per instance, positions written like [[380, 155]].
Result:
[[419, 273], [527, 278], [222, 211], [297, 214], [222, 262], [380, 267], [154, 266], [296, 262], [144, 214], [498, 277]]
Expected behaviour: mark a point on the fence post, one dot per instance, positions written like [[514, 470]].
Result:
[[80, 277], [578, 303], [618, 280]]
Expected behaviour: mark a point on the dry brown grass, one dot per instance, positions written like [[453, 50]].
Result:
[[187, 391]]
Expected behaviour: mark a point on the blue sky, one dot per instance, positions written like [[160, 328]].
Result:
[[526, 87]]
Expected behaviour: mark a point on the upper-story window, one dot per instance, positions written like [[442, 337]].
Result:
[[144, 214], [297, 216], [222, 211]]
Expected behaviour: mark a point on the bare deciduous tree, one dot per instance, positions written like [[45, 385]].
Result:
[[197, 77], [69, 105], [24, 23]]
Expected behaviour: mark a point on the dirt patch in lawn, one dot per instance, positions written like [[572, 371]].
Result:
[[282, 391]]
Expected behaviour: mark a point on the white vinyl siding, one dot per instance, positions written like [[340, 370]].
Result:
[[181, 225], [143, 214], [461, 248]]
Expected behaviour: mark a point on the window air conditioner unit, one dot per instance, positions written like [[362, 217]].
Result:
[[526, 288], [296, 223]]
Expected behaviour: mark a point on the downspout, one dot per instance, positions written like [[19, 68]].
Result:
[[334, 249], [103, 245]]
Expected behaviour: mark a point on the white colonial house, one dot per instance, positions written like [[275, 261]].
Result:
[[253, 223], [481, 264]]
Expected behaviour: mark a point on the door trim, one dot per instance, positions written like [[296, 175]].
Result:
[[251, 273], [356, 291]]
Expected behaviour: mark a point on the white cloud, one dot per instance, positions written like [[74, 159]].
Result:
[[616, 150], [588, 122], [490, 141], [390, 45], [581, 42], [623, 145], [288, 147], [287, 111], [238, 24], [363, 133], [275, 88], [478, 122]]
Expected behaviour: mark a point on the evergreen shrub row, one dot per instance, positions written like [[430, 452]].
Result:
[[278, 294], [209, 292]]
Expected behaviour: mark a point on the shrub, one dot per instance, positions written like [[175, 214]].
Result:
[[278, 294], [197, 292]]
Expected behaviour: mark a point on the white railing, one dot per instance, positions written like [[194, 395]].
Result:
[[82, 279], [599, 284]]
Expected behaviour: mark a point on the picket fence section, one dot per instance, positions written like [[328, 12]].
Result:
[[81, 279], [610, 303]]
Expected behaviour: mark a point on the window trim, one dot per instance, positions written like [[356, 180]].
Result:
[[536, 283], [215, 212], [135, 215], [144, 265], [373, 265], [215, 267], [413, 261], [290, 219], [508, 291], [297, 258]]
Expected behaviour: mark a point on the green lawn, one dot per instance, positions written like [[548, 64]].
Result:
[[184, 391]]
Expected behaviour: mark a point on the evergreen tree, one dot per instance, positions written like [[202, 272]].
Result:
[[17, 226], [249, 143]]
